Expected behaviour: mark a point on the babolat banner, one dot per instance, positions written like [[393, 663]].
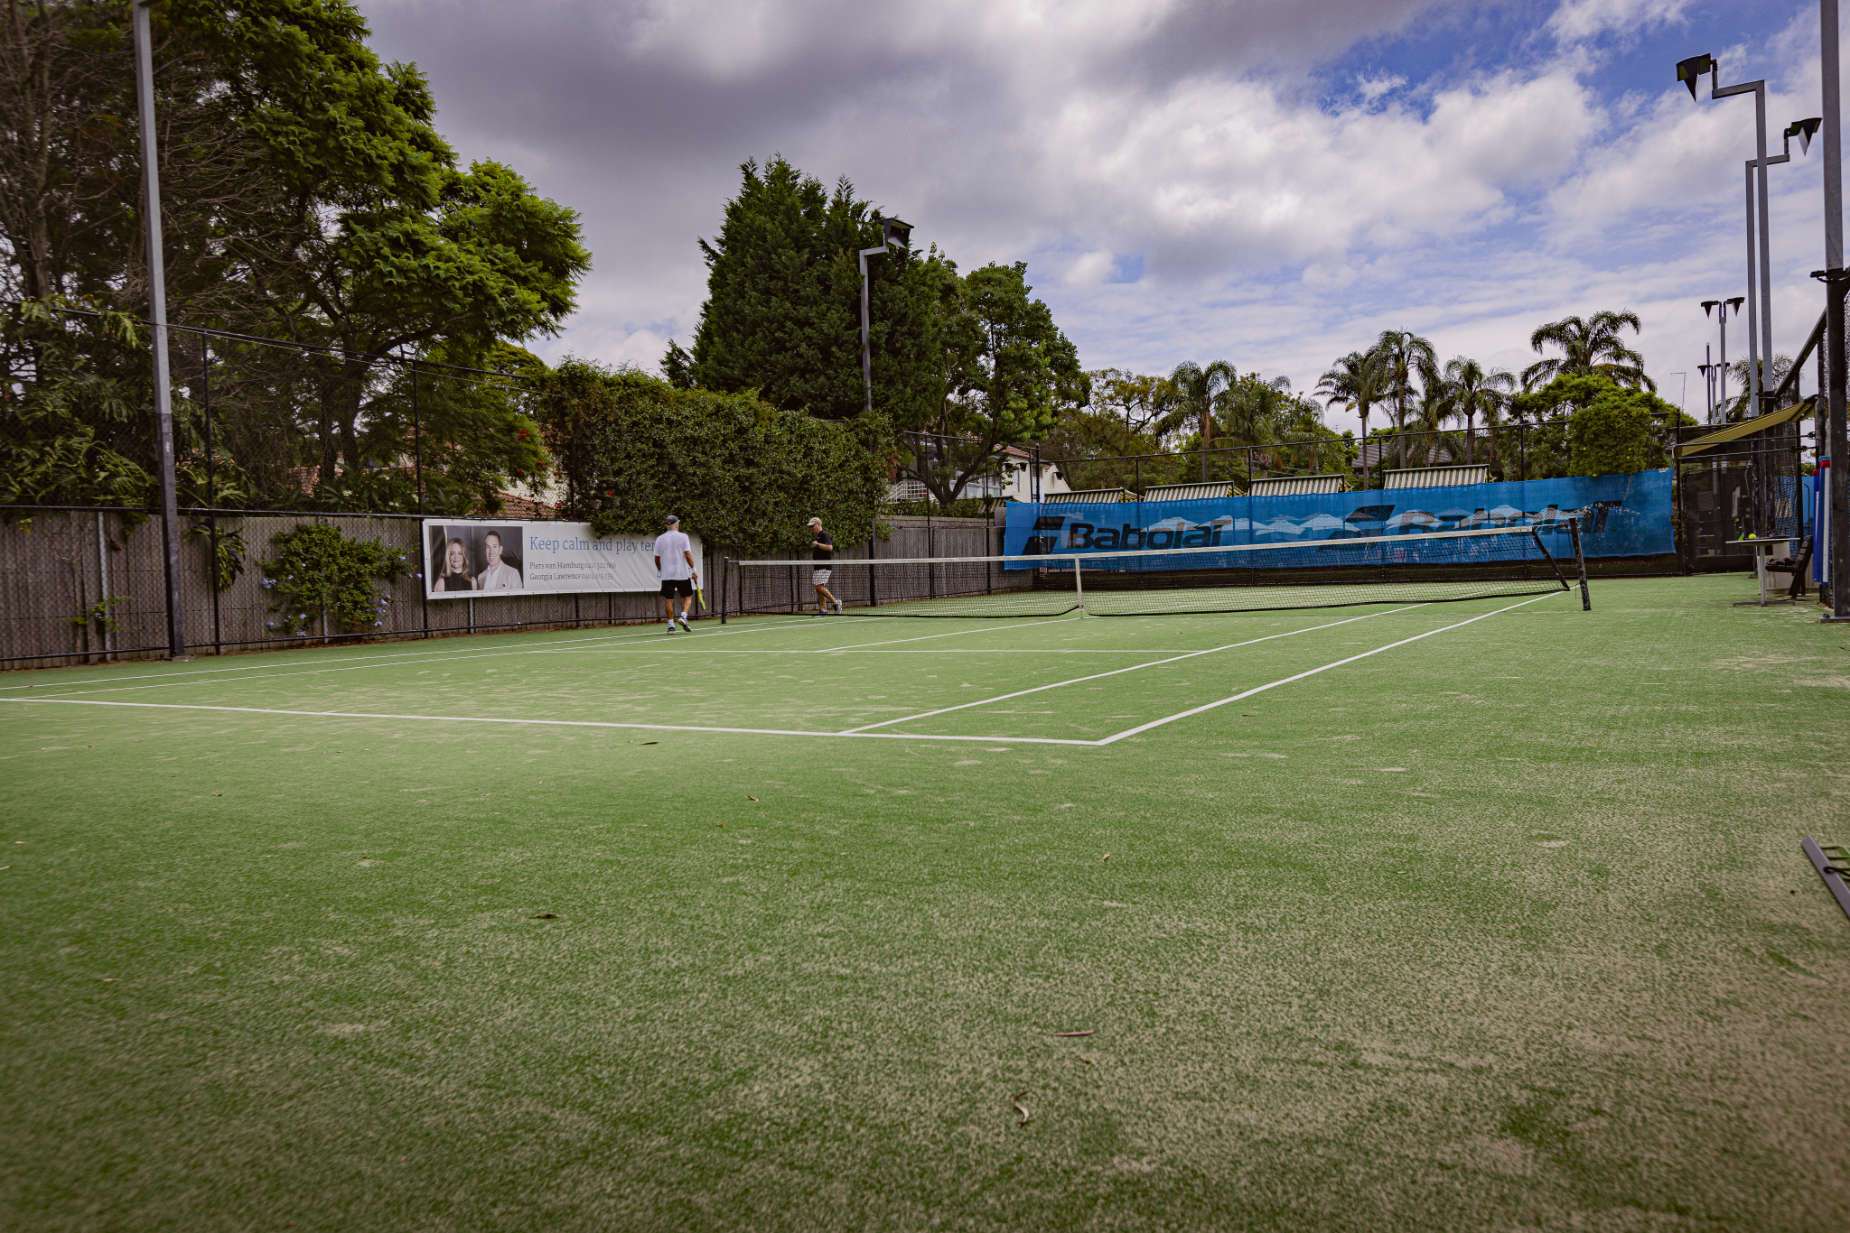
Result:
[[482, 558], [1619, 515]]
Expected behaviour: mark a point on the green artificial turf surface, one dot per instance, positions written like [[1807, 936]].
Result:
[[1505, 927]]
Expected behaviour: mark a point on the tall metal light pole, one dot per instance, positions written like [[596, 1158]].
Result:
[[1835, 279], [893, 233], [1721, 309], [157, 313], [1756, 171], [1690, 71]]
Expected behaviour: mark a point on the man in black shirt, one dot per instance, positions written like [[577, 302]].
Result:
[[822, 556]]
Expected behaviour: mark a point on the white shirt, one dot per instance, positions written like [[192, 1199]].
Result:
[[502, 577], [673, 548]]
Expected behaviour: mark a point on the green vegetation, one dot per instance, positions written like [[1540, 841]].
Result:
[[744, 475], [963, 364], [1507, 928], [321, 581], [308, 197]]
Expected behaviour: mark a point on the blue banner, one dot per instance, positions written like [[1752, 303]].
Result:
[[1620, 516]]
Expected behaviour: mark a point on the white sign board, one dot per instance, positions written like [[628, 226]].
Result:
[[488, 557]]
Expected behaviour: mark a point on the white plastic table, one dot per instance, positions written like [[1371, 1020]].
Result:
[[1764, 552]]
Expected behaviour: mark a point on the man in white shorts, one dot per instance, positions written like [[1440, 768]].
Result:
[[674, 564], [821, 561]]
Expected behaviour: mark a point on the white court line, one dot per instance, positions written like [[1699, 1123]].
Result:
[[542, 723], [405, 656], [1099, 676], [836, 650], [1259, 689], [166, 680]]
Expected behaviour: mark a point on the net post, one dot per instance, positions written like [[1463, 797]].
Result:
[[1079, 586], [1580, 564], [720, 591]]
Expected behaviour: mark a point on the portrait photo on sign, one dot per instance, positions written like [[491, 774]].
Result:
[[474, 558]]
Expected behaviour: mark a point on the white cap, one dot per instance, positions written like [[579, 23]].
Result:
[[815, 522]]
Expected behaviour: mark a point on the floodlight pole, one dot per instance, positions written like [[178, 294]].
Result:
[[1721, 309], [1834, 275], [893, 231], [157, 314], [1689, 72]]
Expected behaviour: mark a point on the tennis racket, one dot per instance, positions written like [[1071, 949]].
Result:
[[700, 595]]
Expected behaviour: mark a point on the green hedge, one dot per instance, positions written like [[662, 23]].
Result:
[[742, 475]]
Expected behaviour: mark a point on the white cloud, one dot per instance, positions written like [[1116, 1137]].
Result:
[[1181, 186], [1580, 20]]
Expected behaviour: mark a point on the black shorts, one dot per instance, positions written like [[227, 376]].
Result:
[[677, 586]]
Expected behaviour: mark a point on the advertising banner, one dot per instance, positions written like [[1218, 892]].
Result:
[[1620, 516], [487, 557]]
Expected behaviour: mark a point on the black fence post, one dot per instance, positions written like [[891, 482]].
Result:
[[873, 574], [205, 401]]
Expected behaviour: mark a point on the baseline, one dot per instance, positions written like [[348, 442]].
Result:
[[358, 663], [541, 723]]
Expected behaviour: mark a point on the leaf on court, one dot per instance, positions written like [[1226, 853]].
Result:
[[751, 798], [1105, 857], [648, 742], [1019, 1107], [545, 916], [1083, 1032]]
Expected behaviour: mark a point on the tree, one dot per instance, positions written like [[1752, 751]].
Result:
[[1196, 387], [1140, 401], [1588, 424], [1405, 355], [782, 313], [1007, 372], [1588, 345], [308, 196], [1357, 382], [1770, 379], [1470, 391]]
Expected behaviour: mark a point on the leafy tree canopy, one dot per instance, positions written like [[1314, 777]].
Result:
[[307, 196]]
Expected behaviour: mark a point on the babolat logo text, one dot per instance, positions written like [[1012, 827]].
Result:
[[1083, 535]]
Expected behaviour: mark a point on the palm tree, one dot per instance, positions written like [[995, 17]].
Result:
[[1254, 410], [1470, 391], [1358, 381], [1588, 345], [1770, 378], [1406, 355], [1197, 386]]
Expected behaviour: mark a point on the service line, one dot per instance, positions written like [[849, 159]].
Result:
[[1099, 676], [1299, 676]]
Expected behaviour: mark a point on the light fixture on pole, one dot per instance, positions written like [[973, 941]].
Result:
[[1707, 369], [894, 233], [1755, 169], [1720, 310], [1689, 72]]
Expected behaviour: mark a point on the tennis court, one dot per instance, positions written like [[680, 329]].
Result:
[[1487, 913], [1063, 680]]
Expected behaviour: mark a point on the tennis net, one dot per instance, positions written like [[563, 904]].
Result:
[[1433, 567]]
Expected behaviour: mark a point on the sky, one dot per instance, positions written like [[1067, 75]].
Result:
[[1268, 182]]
